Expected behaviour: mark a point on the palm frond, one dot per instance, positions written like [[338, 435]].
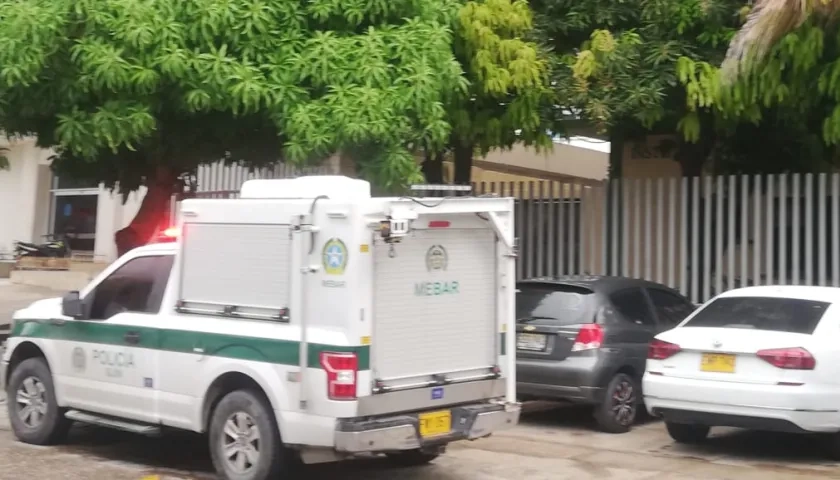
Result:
[[767, 23]]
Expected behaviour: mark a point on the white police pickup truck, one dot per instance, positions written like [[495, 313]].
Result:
[[306, 321]]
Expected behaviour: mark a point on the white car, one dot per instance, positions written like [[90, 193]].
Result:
[[761, 358]]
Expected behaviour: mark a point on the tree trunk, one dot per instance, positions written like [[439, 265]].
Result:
[[433, 167], [692, 157], [153, 212], [463, 157], [617, 142]]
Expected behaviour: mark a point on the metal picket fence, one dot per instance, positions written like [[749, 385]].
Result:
[[700, 235]]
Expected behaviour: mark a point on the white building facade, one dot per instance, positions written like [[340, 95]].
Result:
[[34, 203]]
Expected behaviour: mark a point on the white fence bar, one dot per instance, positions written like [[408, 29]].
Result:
[[673, 249], [660, 231], [769, 198], [732, 200], [745, 231], [796, 205], [809, 227], [822, 261], [783, 257], [684, 282], [835, 230]]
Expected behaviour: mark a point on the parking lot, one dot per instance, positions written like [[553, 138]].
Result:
[[551, 443]]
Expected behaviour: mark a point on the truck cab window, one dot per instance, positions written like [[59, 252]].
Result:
[[136, 286]]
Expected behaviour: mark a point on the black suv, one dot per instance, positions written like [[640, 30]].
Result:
[[585, 340]]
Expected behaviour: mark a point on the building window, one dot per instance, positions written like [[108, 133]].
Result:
[[70, 183], [74, 211]]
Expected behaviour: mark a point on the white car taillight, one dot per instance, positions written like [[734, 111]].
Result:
[[788, 358], [662, 350]]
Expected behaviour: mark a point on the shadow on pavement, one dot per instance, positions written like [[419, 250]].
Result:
[[563, 415], [776, 451], [185, 454]]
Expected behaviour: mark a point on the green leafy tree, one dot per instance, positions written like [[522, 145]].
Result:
[[139, 92], [507, 90], [787, 79], [617, 64], [767, 22]]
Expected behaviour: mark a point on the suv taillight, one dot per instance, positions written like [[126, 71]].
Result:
[[788, 358], [590, 337], [342, 370], [661, 350]]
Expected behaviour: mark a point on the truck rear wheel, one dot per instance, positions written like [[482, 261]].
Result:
[[244, 439], [33, 409]]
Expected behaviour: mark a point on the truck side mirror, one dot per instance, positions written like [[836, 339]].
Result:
[[71, 305]]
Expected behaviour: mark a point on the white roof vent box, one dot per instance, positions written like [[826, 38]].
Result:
[[336, 187]]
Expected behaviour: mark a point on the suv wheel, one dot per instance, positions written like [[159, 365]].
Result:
[[617, 412], [244, 440], [33, 410], [685, 433]]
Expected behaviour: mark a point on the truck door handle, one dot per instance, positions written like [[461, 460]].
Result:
[[132, 338]]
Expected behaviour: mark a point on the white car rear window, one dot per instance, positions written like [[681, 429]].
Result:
[[761, 313]]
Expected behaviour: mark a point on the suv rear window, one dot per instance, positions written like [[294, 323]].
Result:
[[761, 313], [555, 304]]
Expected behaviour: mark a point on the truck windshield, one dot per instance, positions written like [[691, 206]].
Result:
[[554, 304]]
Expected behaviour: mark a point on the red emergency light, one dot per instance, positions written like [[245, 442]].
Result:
[[171, 234]]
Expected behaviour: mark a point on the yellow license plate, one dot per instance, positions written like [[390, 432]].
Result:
[[718, 362], [435, 423]]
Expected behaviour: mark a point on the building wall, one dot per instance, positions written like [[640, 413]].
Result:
[[26, 202], [20, 217], [563, 160], [652, 157]]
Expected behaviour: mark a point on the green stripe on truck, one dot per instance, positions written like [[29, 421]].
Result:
[[280, 352]]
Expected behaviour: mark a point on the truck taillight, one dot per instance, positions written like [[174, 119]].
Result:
[[342, 370]]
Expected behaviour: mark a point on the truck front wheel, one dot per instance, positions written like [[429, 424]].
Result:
[[244, 439], [33, 409]]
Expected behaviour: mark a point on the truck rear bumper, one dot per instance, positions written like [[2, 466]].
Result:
[[401, 432]]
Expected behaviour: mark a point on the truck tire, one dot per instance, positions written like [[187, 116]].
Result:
[[411, 458], [687, 434], [617, 412], [244, 439], [33, 410]]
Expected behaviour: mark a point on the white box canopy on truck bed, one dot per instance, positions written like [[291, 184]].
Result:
[[426, 285]]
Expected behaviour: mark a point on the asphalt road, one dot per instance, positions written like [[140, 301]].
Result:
[[550, 443]]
